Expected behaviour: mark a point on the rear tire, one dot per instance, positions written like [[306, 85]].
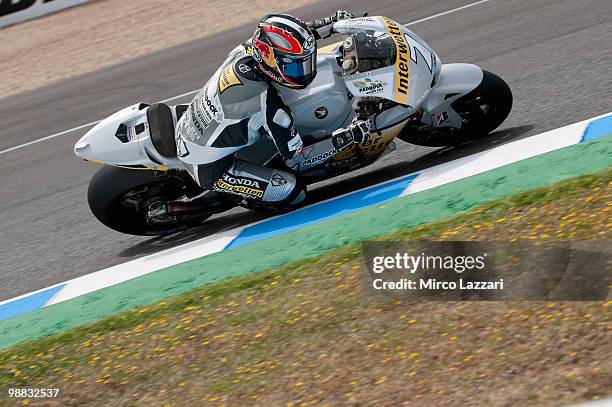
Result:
[[482, 111], [118, 198]]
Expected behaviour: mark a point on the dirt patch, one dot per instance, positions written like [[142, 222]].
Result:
[[306, 334], [92, 36]]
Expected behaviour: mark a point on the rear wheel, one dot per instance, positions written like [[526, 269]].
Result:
[[482, 111], [120, 198]]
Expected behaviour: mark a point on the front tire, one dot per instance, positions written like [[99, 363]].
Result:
[[482, 110]]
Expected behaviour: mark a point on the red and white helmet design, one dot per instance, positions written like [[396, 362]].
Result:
[[285, 50]]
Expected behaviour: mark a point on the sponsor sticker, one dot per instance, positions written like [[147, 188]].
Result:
[[181, 147], [131, 133], [321, 113], [358, 76], [241, 185], [210, 105], [319, 158], [278, 180], [256, 55], [363, 19], [295, 143], [199, 121], [402, 63], [202, 112], [235, 180], [442, 117], [368, 86], [190, 130], [227, 79], [273, 76], [264, 53], [310, 43], [244, 68]]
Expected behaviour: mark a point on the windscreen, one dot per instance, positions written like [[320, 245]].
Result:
[[366, 51]]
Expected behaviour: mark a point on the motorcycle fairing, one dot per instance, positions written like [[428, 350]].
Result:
[[407, 82], [136, 151], [455, 81], [328, 93]]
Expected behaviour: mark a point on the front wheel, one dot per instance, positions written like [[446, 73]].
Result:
[[120, 198], [482, 110]]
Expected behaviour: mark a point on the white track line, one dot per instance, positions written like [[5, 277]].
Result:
[[447, 12], [29, 143], [180, 96]]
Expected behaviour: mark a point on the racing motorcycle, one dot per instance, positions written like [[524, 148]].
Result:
[[379, 65]]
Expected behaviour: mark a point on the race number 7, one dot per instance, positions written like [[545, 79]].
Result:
[[416, 46]]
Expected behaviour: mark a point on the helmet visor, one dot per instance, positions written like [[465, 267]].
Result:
[[300, 70]]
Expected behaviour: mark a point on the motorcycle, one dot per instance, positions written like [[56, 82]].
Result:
[[379, 65]]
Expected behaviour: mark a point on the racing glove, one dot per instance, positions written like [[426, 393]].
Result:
[[356, 133], [324, 27]]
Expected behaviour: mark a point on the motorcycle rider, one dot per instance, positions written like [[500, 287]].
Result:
[[241, 103]]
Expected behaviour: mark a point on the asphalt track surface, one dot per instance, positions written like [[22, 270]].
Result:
[[553, 53]]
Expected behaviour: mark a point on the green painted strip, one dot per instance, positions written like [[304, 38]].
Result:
[[412, 210]]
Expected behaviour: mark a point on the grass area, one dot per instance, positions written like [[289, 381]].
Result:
[[305, 334]]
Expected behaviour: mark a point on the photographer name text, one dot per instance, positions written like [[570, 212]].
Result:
[[422, 263]]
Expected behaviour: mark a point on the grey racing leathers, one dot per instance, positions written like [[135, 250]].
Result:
[[234, 110]]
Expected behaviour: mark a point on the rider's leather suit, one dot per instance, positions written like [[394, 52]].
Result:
[[234, 109]]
